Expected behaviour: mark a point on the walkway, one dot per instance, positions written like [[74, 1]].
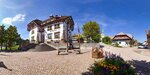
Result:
[[127, 53]]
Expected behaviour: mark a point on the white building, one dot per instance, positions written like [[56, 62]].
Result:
[[56, 28], [123, 39]]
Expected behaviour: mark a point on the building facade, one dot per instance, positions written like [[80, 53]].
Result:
[[56, 28], [122, 39], [148, 37]]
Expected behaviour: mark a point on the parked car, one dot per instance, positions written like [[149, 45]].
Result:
[[143, 46]]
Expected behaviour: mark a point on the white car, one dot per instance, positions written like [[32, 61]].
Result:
[[143, 46]]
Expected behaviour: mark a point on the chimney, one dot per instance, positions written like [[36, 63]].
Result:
[[56, 15], [51, 16]]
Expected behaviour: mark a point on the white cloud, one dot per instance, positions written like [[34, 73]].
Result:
[[10, 20], [19, 17], [7, 21]]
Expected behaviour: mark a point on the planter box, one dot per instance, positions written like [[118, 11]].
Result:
[[96, 53]]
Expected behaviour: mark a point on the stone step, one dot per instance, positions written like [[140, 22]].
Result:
[[42, 47]]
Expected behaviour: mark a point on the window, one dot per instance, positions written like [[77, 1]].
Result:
[[50, 36], [49, 28], [32, 32], [57, 26], [32, 38], [119, 42], [57, 35]]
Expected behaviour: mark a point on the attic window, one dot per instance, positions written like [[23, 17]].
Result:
[[52, 19], [57, 26], [49, 28], [44, 23]]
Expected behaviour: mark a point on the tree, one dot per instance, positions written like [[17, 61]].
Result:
[[107, 40], [132, 42], [80, 37], [96, 38], [2, 35], [91, 30], [12, 36], [19, 41]]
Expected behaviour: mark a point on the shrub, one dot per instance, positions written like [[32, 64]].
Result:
[[107, 40], [111, 65], [117, 45], [96, 38]]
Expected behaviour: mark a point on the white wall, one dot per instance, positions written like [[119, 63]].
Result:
[[53, 31], [35, 34], [123, 43], [62, 30]]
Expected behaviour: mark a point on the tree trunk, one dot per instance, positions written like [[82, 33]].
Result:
[[6, 46], [1, 45]]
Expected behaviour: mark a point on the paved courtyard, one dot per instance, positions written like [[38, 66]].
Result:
[[49, 63], [45, 63]]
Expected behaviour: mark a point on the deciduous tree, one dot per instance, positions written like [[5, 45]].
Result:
[[107, 40], [91, 30]]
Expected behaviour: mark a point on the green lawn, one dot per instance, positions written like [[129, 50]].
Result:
[[15, 47], [12, 48]]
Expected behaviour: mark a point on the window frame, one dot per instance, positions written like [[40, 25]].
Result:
[[32, 38], [48, 35], [119, 42], [56, 26], [57, 35], [32, 32], [49, 28]]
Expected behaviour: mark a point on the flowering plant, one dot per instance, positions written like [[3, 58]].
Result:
[[111, 65]]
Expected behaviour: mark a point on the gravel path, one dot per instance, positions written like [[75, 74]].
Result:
[[45, 63]]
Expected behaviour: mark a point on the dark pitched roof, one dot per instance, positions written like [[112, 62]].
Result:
[[36, 22], [52, 20], [122, 36]]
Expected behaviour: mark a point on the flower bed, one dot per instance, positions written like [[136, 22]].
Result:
[[111, 65]]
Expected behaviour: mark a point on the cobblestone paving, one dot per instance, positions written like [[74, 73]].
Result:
[[45, 63]]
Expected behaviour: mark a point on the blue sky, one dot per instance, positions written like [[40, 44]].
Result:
[[114, 16]]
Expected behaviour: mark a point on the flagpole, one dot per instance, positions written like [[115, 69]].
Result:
[[79, 34]]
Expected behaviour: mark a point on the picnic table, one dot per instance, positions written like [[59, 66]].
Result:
[[73, 45]]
